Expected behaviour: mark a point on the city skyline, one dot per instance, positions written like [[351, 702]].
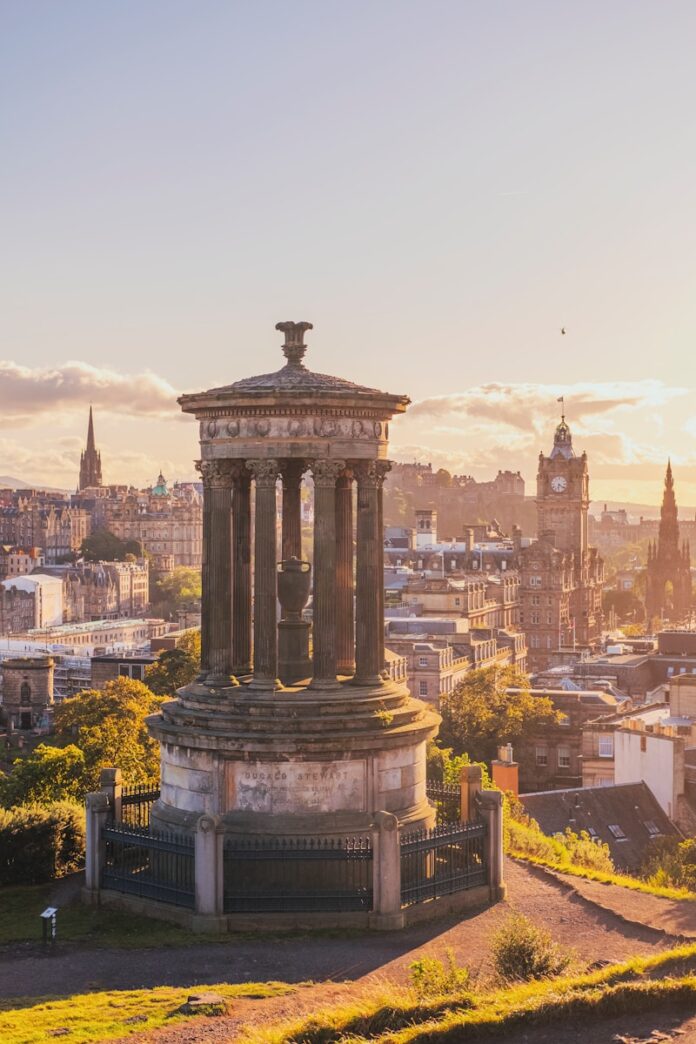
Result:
[[459, 190]]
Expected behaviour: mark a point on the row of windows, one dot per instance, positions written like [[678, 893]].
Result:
[[562, 755]]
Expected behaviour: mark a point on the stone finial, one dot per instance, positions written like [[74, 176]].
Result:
[[294, 347]]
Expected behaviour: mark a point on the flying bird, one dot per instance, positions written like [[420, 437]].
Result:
[[563, 329]]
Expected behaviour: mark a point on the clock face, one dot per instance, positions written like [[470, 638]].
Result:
[[558, 483]]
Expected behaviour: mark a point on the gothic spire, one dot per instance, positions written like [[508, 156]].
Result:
[[90, 459]]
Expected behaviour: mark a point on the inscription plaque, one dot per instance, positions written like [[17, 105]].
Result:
[[299, 786]]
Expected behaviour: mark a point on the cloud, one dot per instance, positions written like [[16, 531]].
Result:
[[527, 407], [27, 395]]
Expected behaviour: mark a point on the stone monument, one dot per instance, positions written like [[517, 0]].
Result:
[[27, 691], [339, 740]]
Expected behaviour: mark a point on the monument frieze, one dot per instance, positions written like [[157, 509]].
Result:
[[296, 786]]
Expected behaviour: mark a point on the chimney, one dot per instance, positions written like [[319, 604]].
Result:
[[505, 772], [426, 527]]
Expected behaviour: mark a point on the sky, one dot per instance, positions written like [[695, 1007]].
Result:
[[438, 186]]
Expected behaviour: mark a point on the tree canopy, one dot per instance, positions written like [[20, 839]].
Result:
[[480, 713], [109, 728], [46, 775], [176, 667], [105, 546], [175, 590]]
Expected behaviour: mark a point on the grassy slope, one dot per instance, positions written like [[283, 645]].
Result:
[[398, 1018], [102, 1016], [19, 922]]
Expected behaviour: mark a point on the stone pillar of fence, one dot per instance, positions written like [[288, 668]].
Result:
[[98, 810], [470, 786], [490, 807], [386, 873], [208, 871], [110, 783]]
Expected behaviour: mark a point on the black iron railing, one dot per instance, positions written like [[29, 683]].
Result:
[[298, 874], [447, 801], [136, 804], [152, 866], [441, 861]]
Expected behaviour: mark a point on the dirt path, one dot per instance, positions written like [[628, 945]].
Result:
[[673, 916], [364, 956], [340, 967]]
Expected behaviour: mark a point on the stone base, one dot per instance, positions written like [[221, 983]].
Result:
[[303, 760]]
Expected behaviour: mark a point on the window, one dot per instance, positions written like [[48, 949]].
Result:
[[564, 757], [536, 618], [457, 601], [422, 661], [535, 599], [563, 719], [423, 688], [616, 831], [605, 747], [652, 827], [542, 757]]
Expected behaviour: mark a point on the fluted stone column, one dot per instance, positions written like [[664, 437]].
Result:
[[241, 570], [291, 538], [345, 630], [265, 473], [369, 596], [205, 574], [216, 617], [325, 474]]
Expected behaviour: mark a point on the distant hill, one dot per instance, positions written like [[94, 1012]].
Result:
[[636, 510], [10, 482]]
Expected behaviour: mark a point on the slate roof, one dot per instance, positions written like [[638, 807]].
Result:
[[630, 807]]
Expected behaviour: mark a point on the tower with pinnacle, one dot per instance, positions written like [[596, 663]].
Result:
[[668, 591], [90, 460]]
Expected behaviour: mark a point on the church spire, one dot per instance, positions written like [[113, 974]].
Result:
[[90, 459], [668, 582]]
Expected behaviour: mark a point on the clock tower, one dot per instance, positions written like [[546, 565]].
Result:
[[563, 494]]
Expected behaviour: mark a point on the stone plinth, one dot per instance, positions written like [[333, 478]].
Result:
[[304, 762]]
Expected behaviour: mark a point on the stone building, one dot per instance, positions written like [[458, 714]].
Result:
[[17, 609], [17, 561], [27, 691], [561, 576], [276, 743], [668, 591], [167, 522], [34, 521]]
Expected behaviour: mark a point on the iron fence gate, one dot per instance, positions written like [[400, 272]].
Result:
[[136, 804], [447, 801], [298, 874], [447, 859], [152, 866]]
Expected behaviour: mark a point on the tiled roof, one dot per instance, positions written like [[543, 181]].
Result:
[[630, 807]]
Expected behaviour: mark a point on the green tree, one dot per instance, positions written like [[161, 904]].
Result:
[[175, 590], [480, 713], [46, 775], [444, 766], [176, 667], [626, 604], [105, 546], [109, 728]]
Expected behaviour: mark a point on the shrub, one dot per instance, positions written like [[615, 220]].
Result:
[[522, 950], [39, 843], [431, 977], [523, 836]]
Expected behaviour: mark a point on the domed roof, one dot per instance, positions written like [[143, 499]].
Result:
[[160, 488], [293, 379], [562, 442]]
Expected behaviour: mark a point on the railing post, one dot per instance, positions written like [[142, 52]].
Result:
[[470, 785], [97, 811], [490, 806], [110, 783], [208, 875], [386, 873]]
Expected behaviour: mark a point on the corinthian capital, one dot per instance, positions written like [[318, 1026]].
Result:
[[216, 474], [326, 472], [372, 472], [265, 472]]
